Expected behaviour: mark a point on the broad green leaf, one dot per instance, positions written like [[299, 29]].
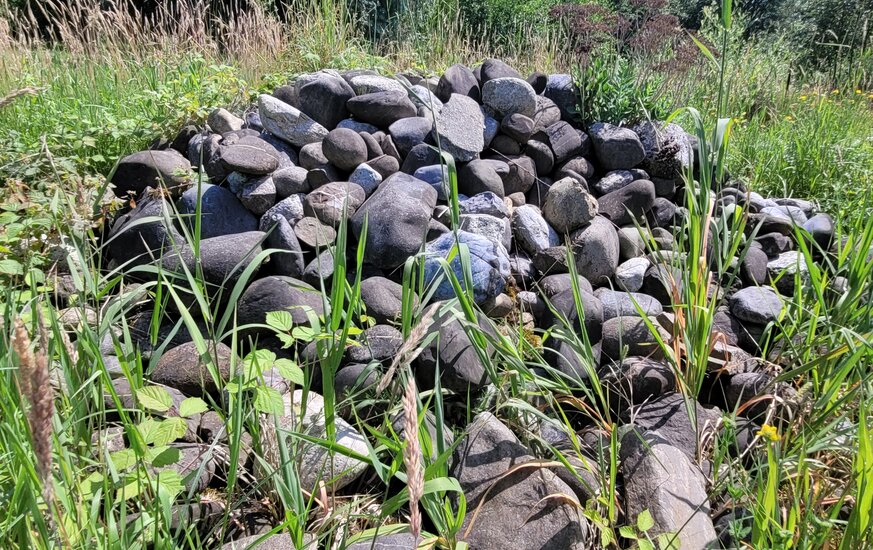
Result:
[[627, 532], [164, 456], [645, 521], [123, 459], [170, 482], [269, 400], [11, 267], [148, 430], [304, 334], [257, 361], [154, 398], [290, 371], [280, 320], [192, 406], [170, 430]]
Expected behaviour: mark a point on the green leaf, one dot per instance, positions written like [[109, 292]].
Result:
[[269, 400], [170, 430], [11, 267], [645, 521], [123, 459], [256, 362], [192, 406], [304, 334], [645, 544], [170, 482], [290, 371], [627, 532], [154, 398], [164, 456], [280, 320]]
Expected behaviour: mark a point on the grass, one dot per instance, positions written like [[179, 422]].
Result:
[[806, 483]]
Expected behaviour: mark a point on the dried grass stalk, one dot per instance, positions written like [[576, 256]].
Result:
[[35, 385], [409, 350], [412, 457]]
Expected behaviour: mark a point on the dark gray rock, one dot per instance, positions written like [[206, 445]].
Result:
[[564, 141], [458, 79], [290, 181], [409, 132], [632, 201], [616, 148], [334, 202], [512, 512], [479, 176], [313, 234], [753, 268], [183, 368], [460, 366], [821, 228], [561, 90], [288, 123], [542, 155], [634, 334], [517, 126], [668, 150], [618, 304], [344, 148], [377, 343], [555, 284], [595, 248], [669, 415], [495, 68], [508, 95], [134, 173], [382, 109], [382, 298], [639, 379], [522, 173], [249, 155], [132, 239], [221, 213], [420, 155], [398, 214], [324, 100], [277, 293], [532, 233], [320, 270], [538, 81]]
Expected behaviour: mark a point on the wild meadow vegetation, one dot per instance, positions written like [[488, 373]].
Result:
[[779, 97]]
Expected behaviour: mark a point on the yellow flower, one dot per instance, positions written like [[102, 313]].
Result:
[[835, 91], [788, 118], [769, 432], [802, 98], [859, 92]]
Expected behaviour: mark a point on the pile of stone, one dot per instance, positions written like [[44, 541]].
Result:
[[535, 187]]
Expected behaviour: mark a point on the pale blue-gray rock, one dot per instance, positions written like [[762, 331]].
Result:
[[532, 232], [495, 229], [484, 203], [489, 265], [437, 176], [629, 275], [617, 303], [596, 250], [288, 123], [509, 95], [460, 128], [367, 177], [371, 83], [759, 305]]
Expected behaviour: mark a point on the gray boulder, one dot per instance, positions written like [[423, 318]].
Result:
[[569, 206], [596, 250], [616, 148], [398, 214], [507, 95], [288, 123], [460, 128], [661, 479], [489, 264], [512, 512]]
